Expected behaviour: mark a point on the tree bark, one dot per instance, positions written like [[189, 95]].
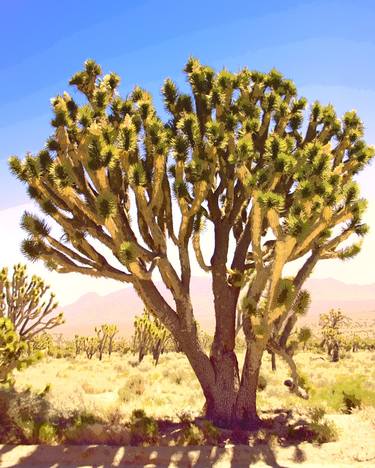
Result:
[[221, 398], [231, 401], [273, 362], [246, 409]]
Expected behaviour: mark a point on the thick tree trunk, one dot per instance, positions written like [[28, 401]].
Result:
[[231, 403], [335, 353], [221, 397], [246, 410]]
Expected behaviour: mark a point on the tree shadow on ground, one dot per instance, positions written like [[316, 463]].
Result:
[[238, 448]]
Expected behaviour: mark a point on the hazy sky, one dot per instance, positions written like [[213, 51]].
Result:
[[326, 47]]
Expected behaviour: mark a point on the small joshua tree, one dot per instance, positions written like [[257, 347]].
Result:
[[233, 154], [42, 342], [90, 345], [161, 337], [142, 335], [150, 336], [79, 344], [26, 303], [304, 335], [102, 337], [105, 335], [331, 324], [112, 331]]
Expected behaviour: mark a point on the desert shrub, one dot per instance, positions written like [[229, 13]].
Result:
[[346, 393], [191, 435], [90, 389], [175, 376], [316, 430], [351, 401], [27, 417], [304, 382], [322, 431], [21, 415], [80, 419], [211, 433], [134, 386], [185, 417], [143, 429], [262, 383], [47, 433]]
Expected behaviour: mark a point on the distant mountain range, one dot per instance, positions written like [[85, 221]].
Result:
[[90, 310]]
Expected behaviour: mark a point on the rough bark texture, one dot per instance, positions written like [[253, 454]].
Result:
[[273, 362]]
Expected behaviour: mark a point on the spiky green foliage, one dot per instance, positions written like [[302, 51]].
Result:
[[331, 324], [236, 153], [12, 350], [105, 335], [112, 331], [79, 344], [25, 300], [150, 336], [43, 342]]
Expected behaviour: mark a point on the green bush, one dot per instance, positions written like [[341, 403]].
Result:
[[143, 429], [303, 382], [351, 401], [47, 433], [322, 431], [316, 429], [346, 393], [191, 435], [12, 350], [22, 413]]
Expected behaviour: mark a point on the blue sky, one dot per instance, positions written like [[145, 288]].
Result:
[[327, 47]]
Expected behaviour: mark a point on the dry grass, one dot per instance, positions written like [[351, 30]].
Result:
[[117, 386]]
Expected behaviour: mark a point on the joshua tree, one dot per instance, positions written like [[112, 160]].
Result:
[[90, 345], [79, 344], [304, 334], [331, 325], [12, 350], [161, 337], [102, 337], [42, 341], [234, 155], [112, 331], [150, 336], [105, 335], [25, 302]]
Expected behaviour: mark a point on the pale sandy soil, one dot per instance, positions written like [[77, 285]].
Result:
[[171, 389], [355, 448]]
